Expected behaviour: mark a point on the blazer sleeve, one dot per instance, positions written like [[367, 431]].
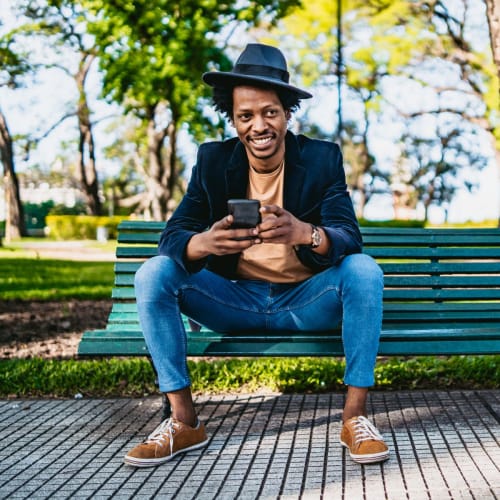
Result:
[[190, 217], [336, 217]]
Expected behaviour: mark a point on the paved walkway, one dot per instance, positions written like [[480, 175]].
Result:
[[445, 445]]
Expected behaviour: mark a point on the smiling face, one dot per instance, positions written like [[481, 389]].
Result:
[[261, 124]]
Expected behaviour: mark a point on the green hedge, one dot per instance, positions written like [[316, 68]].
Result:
[[392, 223], [81, 227]]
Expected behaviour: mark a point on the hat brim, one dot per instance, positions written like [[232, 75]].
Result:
[[229, 79]]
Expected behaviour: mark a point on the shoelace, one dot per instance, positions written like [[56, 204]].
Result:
[[365, 430], [165, 430]]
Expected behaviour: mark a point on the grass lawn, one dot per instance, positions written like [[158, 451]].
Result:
[[116, 377], [50, 279]]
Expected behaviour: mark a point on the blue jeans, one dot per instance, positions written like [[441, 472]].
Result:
[[350, 293]]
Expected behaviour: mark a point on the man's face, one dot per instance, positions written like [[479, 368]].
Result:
[[261, 125]]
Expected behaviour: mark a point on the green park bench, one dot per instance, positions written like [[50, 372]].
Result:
[[441, 297]]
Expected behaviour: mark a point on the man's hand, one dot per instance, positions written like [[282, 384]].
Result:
[[221, 239], [280, 226]]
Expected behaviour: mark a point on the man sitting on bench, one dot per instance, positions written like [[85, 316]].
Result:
[[297, 267]]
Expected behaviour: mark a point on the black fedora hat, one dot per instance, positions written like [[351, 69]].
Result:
[[258, 63]]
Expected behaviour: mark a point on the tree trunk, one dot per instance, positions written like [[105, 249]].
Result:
[[172, 162], [14, 219], [157, 176], [493, 13], [87, 173]]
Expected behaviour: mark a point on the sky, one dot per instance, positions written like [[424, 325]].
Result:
[[39, 105]]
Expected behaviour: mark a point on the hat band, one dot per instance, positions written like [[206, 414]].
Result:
[[259, 70]]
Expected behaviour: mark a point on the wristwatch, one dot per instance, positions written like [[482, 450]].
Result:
[[316, 238]]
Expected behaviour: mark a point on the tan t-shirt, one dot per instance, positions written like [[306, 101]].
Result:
[[273, 262]]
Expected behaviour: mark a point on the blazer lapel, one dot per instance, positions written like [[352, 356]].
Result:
[[294, 175], [237, 173]]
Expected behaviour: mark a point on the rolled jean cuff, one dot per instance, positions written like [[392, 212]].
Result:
[[174, 386], [365, 382]]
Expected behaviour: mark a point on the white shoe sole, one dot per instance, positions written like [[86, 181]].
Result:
[[151, 462], [366, 458]]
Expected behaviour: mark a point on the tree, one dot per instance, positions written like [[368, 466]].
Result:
[[13, 66], [479, 76], [430, 165], [493, 14], [152, 54], [62, 24], [369, 60], [389, 45]]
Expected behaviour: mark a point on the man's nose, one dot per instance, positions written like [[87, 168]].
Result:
[[259, 123]]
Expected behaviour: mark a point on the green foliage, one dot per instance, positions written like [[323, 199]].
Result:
[[13, 64], [391, 223], [47, 279], [81, 227], [154, 51], [394, 44], [78, 208], [472, 372], [487, 223], [277, 374], [38, 377], [115, 377]]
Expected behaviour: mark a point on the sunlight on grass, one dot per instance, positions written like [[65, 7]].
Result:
[[50, 279], [134, 377]]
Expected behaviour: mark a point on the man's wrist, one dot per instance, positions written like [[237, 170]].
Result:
[[312, 237], [196, 248]]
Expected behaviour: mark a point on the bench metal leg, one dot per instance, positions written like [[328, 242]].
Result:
[[167, 409]]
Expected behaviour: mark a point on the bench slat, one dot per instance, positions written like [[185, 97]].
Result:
[[433, 253], [444, 341], [136, 253], [421, 281], [423, 253], [474, 309], [462, 268]]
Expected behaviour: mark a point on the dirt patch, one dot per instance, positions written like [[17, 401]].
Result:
[[48, 329]]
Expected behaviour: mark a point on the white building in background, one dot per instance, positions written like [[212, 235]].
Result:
[[67, 196], [40, 193]]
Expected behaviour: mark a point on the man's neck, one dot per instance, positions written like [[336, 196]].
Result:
[[268, 167]]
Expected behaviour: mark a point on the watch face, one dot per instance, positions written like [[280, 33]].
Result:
[[316, 238]]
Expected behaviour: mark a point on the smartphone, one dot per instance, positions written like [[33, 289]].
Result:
[[245, 213]]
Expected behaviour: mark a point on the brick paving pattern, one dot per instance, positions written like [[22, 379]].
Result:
[[445, 445]]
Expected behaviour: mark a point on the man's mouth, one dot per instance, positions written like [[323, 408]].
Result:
[[262, 141]]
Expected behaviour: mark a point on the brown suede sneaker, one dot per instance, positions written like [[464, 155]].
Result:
[[365, 443], [167, 440]]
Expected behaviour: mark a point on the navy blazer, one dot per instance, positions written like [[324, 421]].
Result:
[[315, 191]]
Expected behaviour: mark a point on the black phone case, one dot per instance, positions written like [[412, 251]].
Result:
[[245, 213]]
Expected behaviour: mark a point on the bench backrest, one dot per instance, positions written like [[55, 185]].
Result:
[[431, 275]]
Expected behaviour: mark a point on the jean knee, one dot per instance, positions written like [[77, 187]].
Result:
[[361, 269], [153, 275]]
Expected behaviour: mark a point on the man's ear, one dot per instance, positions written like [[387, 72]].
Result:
[[288, 114]]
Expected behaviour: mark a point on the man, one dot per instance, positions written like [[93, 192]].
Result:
[[300, 268]]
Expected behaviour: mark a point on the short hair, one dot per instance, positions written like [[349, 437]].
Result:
[[222, 98]]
